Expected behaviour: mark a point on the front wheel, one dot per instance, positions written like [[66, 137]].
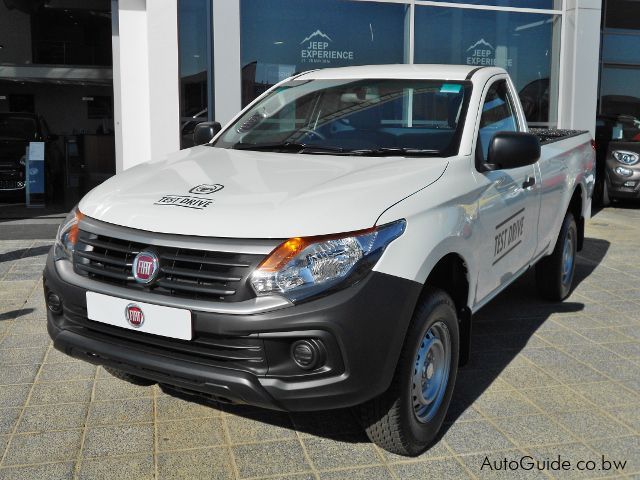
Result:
[[554, 274], [406, 418]]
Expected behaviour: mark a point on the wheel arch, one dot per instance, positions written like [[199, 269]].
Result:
[[451, 274]]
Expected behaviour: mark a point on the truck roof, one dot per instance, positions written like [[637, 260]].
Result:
[[399, 71]]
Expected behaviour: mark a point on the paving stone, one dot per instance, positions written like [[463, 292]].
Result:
[[26, 341], [14, 395], [129, 467], [608, 394], [271, 458], [50, 471], [61, 392], [259, 426], [505, 404], [629, 415], [209, 463], [30, 448], [335, 422], [201, 432], [67, 372], [8, 419], [43, 418], [118, 440], [327, 454], [113, 388], [533, 430], [441, 469], [557, 399], [527, 377], [471, 437], [367, 473], [172, 408], [18, 374], [132, 410], [591, 425]]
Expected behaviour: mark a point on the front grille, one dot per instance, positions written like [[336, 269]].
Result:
[[11, 185], [186, 273], [241, 353]]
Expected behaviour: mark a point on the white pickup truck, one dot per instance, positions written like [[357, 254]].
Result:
[[328, 248]]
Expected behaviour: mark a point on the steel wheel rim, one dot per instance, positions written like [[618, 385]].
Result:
[[431, 372], [568, 258]]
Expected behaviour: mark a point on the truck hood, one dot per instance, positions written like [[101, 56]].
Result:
[[214, 192]]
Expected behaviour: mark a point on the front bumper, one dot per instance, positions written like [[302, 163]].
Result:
[[620, 186], [361, 327]]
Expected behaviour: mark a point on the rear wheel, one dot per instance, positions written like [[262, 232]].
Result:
[[554, 274], [406, 418], [127, 377]]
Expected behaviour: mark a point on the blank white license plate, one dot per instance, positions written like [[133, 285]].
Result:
[[139, 316]]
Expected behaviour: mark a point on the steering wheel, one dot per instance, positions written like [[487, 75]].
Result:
[[312, 132]]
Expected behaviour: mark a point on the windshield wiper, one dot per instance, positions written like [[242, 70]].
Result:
[[294, 147], [395, 152]]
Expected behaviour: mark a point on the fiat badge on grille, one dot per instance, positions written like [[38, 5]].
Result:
[[145, 267], [134, 315]]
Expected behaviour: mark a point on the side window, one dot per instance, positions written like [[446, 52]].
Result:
[[498, 115]]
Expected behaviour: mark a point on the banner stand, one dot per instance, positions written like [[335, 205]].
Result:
[[35, 175]]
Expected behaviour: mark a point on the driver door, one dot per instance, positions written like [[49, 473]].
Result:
[[509, 204]]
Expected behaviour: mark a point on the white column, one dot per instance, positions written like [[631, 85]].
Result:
[[145, 78], [226, 59], [580, 64]]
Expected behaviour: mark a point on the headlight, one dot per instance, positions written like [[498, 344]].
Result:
[[627, 158], [624, 172], [304, 267], [67, 236]]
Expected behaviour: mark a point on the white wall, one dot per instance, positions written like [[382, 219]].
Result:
[[580, 64], [145, 76]]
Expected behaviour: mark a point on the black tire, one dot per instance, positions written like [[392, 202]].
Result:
[[390, 419], [127, 377], [553, 280]]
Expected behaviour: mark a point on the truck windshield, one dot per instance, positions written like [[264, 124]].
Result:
[[364, 117], [17, 127]]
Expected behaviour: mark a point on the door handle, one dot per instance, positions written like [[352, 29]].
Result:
[[529, 182]]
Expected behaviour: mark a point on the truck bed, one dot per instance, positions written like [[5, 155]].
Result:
[[550, 135]]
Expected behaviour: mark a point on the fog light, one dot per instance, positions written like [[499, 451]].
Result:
[[54, 303], [630, 184], [308, 354], [625, 172], [20, 184]]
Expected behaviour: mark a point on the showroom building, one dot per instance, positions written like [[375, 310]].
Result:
[[230, 51], [120, 82]]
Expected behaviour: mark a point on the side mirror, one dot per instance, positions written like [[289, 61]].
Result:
[[512, 150], [205, 131]]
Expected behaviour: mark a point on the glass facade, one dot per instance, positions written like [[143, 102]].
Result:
[[282, 37], [522, 43], [619, 103], [195, 60]]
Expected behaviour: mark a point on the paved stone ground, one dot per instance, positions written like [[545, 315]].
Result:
[[545, 380]]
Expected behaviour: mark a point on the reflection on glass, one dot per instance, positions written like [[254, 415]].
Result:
[[194, 17], [620, 92], [522, 43], [623, 48], [544, 4], [282, 37], [622, 14]]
